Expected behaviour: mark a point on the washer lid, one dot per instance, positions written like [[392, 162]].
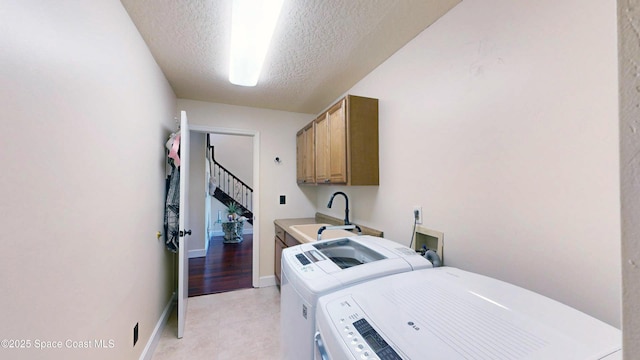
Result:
[[347, 253], [448, 313]]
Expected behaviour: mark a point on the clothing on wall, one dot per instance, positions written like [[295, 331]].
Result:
[[172, 202], [173, 145]]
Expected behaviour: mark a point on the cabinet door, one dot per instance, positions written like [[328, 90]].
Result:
[[309, 166], [278, 259], [305, 155], [322, 149], [300, 149], [337, 143]]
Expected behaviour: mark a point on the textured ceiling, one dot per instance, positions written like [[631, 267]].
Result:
[[320, 48]]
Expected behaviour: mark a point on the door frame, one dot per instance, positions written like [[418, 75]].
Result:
[[255, 271]]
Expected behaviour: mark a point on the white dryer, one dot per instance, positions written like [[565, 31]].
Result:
[[450, 314], [314, 269]]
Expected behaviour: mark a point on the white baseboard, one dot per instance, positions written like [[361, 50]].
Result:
[[147, 353], [197, 253], [221, 233], [267, 281]]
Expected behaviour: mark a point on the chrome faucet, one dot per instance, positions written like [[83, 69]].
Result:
[[346, 209]]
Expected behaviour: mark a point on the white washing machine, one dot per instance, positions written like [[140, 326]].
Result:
[[314, 269], [450, 314]]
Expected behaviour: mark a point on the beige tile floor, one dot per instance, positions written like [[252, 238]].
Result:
[[242, 324]]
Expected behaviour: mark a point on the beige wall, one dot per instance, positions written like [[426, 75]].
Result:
[[277, 138], [234, 153], [86, 112], [500, 120], [629, 21]]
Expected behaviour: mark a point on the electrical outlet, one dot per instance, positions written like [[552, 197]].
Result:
[[135, 334], [417, 214]]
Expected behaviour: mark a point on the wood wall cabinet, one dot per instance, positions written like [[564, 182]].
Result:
[[305, 154], [346, 143]]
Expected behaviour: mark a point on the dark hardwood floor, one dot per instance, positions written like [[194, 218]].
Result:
[[226, 267]]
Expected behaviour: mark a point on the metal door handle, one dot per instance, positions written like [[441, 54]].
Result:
[[185, 232]]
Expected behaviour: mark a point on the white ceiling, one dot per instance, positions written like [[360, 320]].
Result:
[[320, 48]]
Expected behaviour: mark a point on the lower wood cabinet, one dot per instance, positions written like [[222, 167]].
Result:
[[278, 260], [282, 241]]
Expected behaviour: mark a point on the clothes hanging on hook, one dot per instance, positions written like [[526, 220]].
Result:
[[172, 211], [173, 145], [172, 202]]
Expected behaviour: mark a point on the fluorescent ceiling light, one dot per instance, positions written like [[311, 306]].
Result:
[[252, 25]]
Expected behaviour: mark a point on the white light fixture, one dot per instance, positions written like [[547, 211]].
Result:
[[252, 25]]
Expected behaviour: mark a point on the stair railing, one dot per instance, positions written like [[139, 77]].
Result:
[[232, 186]]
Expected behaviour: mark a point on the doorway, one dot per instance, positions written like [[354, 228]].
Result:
[[215, 264]]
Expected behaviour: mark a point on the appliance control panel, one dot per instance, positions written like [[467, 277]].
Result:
[[357, 333], [303, 259], [302, 263]]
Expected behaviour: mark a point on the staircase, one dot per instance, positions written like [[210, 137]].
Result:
[[230, 189]]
